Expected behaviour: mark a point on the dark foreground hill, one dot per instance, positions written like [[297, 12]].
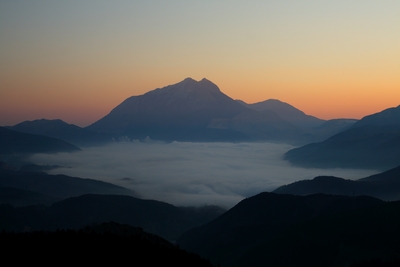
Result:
[[360, 237], [61, 130], [105, 244], [259, 221], [373, 142], [385, 186]]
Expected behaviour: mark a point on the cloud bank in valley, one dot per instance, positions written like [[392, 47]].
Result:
[[189, 173]]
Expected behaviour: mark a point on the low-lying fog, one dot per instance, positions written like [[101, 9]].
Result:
[[186, 174]]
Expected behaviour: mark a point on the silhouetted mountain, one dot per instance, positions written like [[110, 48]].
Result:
[[258, 220], [13, 142], [61, 130], [286, 112], [385, 186], [58, 186], [153, 216], [367, 144], [104, 244], [192, 111]]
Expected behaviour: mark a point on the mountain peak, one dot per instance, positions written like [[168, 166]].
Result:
[[188, 86], [202, 82], [189, 80]]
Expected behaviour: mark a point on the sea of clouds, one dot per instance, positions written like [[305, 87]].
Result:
[[185, 174]]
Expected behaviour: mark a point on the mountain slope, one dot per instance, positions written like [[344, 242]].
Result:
[[373, 142]]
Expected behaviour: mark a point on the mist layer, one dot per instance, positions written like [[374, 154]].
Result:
[[186, 174]]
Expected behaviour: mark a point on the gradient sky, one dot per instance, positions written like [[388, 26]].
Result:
[[76, 60]]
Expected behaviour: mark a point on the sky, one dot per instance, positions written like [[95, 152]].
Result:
[[77, 60]]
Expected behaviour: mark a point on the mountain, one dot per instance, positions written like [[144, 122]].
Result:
[[373, 143], [61, 130], [286, 112], [385, 186], [259, 220], [13, 142], [191, 111]]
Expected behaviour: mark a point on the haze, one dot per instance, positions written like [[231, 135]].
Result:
[[190, 173]]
